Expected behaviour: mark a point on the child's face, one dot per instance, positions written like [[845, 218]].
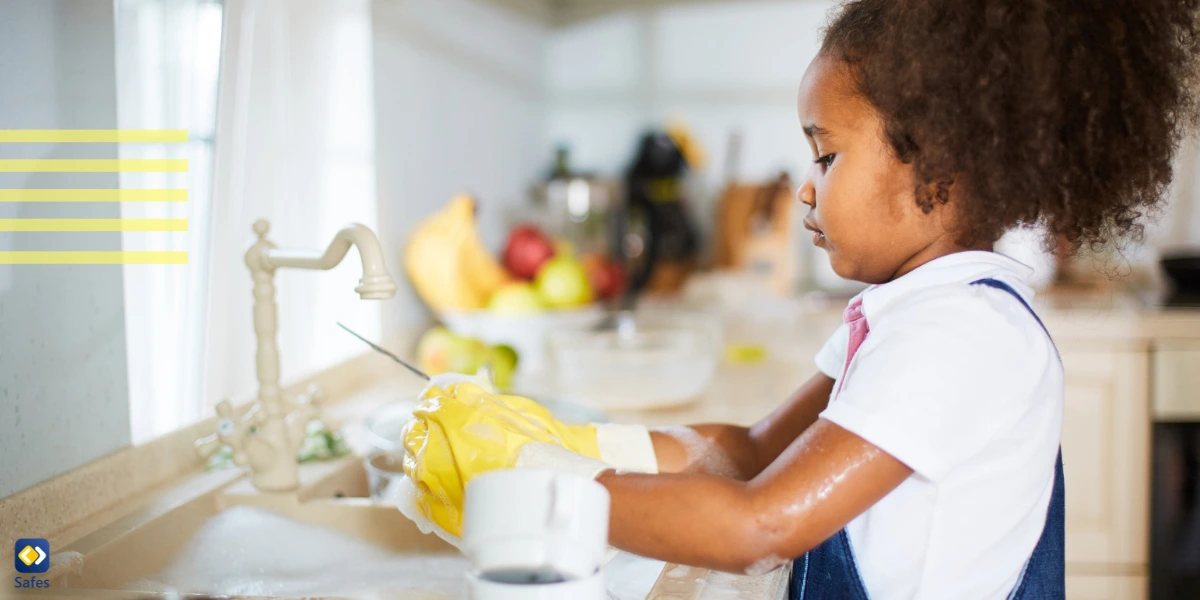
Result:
[[863, 207]]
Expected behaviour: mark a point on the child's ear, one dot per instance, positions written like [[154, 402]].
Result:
[[935, 193]]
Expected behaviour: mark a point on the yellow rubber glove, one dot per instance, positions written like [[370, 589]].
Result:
[[461, 429]]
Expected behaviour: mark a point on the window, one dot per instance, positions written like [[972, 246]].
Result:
[[277, 99], [295, 146], [168, 56]]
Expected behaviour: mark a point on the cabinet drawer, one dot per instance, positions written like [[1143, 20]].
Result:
[[1176, 381]]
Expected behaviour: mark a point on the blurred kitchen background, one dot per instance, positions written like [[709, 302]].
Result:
[[610, 126], [315, 113]]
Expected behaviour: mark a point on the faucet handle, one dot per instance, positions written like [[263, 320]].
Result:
[[310, 405], [313, 395], [231, 432]]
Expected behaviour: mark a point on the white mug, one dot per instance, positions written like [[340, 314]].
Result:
[[589, 588], [543, 524]]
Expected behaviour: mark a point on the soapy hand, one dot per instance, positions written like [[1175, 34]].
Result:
[[462, 427]]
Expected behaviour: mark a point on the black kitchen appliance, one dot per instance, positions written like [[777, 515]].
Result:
[[1175, 492], [1183, 270], [1175, 512], [655, 235]]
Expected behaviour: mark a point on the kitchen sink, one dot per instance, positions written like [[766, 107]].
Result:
[[215, 534], [221, 520]]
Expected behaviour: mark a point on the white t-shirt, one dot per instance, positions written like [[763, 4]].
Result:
[[962, 384]]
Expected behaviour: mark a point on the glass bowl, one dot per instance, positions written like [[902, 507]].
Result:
[[527, 334], [665, 359], [384, 471]]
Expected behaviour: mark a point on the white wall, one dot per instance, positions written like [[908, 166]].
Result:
[[63, 393], [723, 67], [458, 104]]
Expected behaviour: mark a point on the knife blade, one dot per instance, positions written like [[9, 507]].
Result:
[[385, 352]]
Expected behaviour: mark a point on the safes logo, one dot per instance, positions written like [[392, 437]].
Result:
[[32, 555]]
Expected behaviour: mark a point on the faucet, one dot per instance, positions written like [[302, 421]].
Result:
[[269, 436]]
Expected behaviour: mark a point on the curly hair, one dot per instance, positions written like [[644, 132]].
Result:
[[1059, 113]]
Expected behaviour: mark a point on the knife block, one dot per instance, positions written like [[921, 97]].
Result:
[[755, 233]]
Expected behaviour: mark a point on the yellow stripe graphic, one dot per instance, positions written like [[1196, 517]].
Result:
[[93, 165], [93, 225], [93, 135], [92, 257], [87, 195]]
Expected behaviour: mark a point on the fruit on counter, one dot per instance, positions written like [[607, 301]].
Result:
[[478, 263], [503, 361], [563, 247], [448, 264], [562, 282], [606, 276], [516, 298], [442, 351], [526, 251]]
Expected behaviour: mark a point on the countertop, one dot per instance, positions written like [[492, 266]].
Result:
[[71, 505]]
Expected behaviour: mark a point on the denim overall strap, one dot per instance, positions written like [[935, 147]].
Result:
[[1004, 287], [1044, 575], [829, 571]]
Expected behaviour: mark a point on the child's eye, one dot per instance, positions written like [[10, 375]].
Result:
[[825, 161]]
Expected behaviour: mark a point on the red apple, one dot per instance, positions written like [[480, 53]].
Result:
[[606, 276], [526, 251]]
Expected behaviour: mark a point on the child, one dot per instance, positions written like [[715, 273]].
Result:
[[923, 460]]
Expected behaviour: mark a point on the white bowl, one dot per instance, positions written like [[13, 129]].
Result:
[[668, 359], [527, 334]]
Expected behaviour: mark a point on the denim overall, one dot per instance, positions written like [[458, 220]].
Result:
[[829, 572]]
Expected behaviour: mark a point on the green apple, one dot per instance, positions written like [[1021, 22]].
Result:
[[563, 282], [467, 355], [440, 350], [518, 298], [433, 350], [503, 360]]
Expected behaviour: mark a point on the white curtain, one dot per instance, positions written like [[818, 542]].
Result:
[[295, 146], [167, 61]]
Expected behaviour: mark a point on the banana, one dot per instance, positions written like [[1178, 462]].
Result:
[[447, 263], [481, 269]]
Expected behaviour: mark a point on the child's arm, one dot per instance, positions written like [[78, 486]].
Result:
[[744, 450], [821, 481]]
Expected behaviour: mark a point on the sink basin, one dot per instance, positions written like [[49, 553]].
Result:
[[226, 529], [250, 550], [215, 534]]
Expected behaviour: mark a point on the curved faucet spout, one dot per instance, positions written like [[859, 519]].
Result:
[[276, 470], [376, 283]]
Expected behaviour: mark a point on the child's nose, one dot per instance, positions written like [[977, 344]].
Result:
[[807, 194]]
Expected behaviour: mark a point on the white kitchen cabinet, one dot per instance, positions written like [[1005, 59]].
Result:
[[1176, 381], [1106, 587], [1106, 462]]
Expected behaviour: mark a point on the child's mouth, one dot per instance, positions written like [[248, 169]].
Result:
[[818, 235]]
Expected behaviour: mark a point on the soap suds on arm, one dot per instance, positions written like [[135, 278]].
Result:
[[703, 454], [765, 565]]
